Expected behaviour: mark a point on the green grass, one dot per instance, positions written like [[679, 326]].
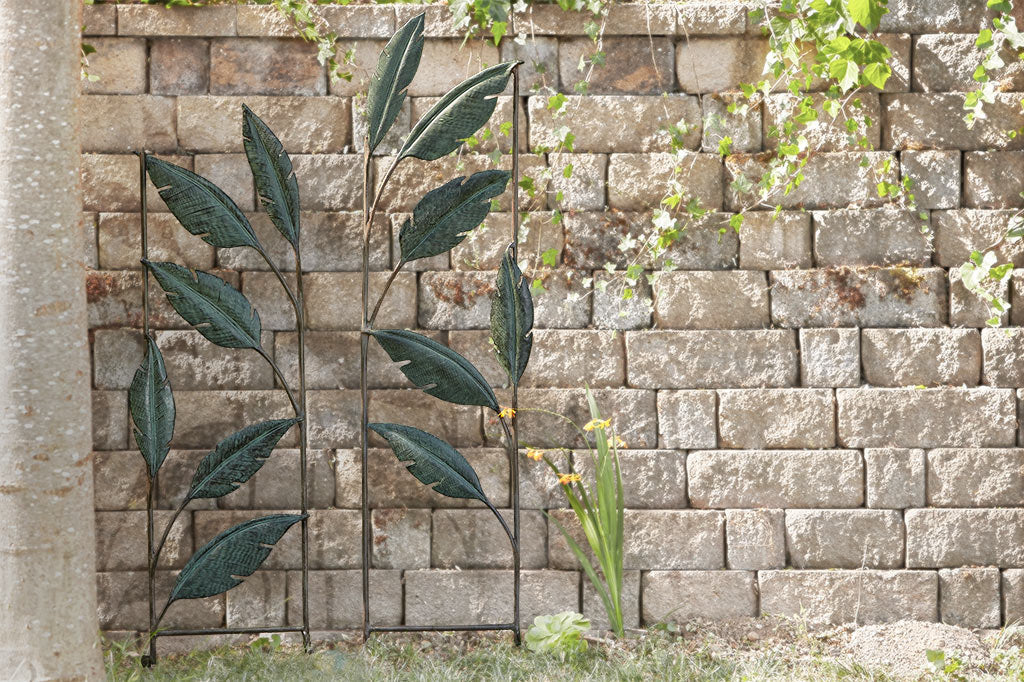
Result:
[[779, 650]]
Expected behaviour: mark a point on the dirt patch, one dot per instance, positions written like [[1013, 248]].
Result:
[[902, 648]]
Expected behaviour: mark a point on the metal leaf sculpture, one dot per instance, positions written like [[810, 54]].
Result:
[[200, 206], [152, 406], [436, 368], [395, 70], [512, 319], [216, 309], [238, 551], [272, 173], [457, 115], [444, 216], [237, 458], [433, 462]]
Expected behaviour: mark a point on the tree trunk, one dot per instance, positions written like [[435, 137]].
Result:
[[48, 622]]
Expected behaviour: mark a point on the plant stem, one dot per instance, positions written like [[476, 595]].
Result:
[[299, 413], [383, 293], [514, 441], [364, 414], [300, 327], [167, 531]]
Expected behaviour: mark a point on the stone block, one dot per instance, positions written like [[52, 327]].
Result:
[[259, 601], [651, 479], [473, 538], [639, 181], [583, 189], [109, 420], [686, 419], [845, 538], [333, 419], [878, 237], [713, 64], [951, 538], [540, 61], [613, 309], [401, 538], [945, 62], [969, 309], [991, 179], [124, 603], [784, 418], [459, 425], [921, 357], [338, 599], [958, 233], [769, 242], [895, 478], [743, 129], [728, 299], [142, 20], [127, 123], [179, 66], [593, 607], [121, 540], [119, 64], [830, 358], [262, 66], [755, 538], [1013, 595], [959, 477], [969, 597], [632, 67], [916, 120], [276, 485], [724, 479], [1004, 357], [926, 418], [456, 300], [232, 174], [743, 359], [632, 413], [110, 182], [204, 418], [831, 134], [120, 242], [935, 175], [681, 596], [119, 480]]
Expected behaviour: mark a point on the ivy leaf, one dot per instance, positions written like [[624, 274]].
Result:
[[200, 206], [877, 73], [512, 319], [237, 458], [238, 551], [444, 216], [433, 462], [272, 172], [846, 72], [457, 115], [396, 68], [867, 13], [152, 407], [216, 309]]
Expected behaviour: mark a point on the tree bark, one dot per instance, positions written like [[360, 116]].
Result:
[[48, 621]]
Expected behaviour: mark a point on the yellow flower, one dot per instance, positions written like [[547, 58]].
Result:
[[534, 454], [566, 479], [507, 412], [597, 424], [619, 443]]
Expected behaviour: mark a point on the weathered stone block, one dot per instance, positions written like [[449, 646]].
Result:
[[333, 419], [99, 20], [612, 309], [764, 478], [787, 418], [140, 20], [755, 538], [1004, 357], [583, 190], [364, 55], [452, 61], [768, 241], [114, 299], [830, 135], [895, 478], [829, 357], [880, 237], [110, 182], [124, 603], [958, 233], [485, 246], [991, 178], [329, 310], [401, 538], [230, 172], [661, 539], [921, 357], [329, 182], [259, 601], [338, 599], [975, 478], [121, 540], [109, 420], [744, 129], [715, 64], [847, 538], [303, 124], [935, 121], [204, 418], [859, 297], [837, 597], [261, 66], [638, 181], [1013, 595], [540, 61], [632, 66], [395, 136], [945, 62], [126, 123], [950, 538], [680, 596], [743, 358], [970, 597], [968, 309], [632, 413], [831, 180], [179, 66], [120, 64], [726, 299], [332, 361], [439, 597], [362, 21], [276, 485], [119, 480], [459, 425], [496, 133], [955, 16], [120, 242], [935, 175], [460, 300], [473, 538], [926, 418], [686, 419], [593, 607], [287, 551], [651, 479], [606, 123]]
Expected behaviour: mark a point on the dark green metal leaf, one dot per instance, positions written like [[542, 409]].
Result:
[[237, 458], [457, 115], [216, 309], [238, 551], [431, 460], [512, 319], [443, 217], [152, 407], [272, 172], [436, 368], [200, 206], [396, 68]]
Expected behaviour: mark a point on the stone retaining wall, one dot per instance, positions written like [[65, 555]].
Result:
[[817, 420]]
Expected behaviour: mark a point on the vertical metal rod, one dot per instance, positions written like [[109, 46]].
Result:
[[514, 454], [300, 324], [364, 421], [152, 482]]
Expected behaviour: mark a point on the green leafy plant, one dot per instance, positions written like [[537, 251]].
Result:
[[225, 317], [440, 221], [561, 633], [599, 508]]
